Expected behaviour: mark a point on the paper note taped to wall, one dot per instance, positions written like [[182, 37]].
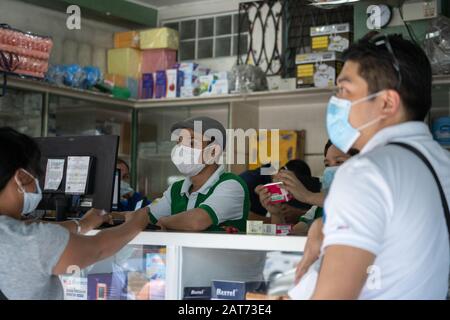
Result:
[[77, 174], [54, 174]]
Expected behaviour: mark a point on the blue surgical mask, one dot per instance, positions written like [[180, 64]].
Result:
[[125, 188], [340, 131], [328, 176], [31, 200]]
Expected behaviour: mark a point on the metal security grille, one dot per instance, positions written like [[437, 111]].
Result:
[[289, 20], [299, 18]]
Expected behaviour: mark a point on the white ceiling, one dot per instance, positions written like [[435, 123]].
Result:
[[164, 3]]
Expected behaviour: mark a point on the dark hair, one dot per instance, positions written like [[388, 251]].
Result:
[[376, 66], [327, 146], [18, 152], [121, 161], [352, 152]]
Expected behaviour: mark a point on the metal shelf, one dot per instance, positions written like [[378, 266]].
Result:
[[43, 87]]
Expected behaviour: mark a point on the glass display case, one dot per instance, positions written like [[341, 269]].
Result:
[[22, 110], [74, 117], [169, 265]]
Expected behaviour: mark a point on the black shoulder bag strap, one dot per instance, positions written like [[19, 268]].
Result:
[[428, 164], [2, 296]]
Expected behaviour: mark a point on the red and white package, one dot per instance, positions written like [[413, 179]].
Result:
[[24, 53]]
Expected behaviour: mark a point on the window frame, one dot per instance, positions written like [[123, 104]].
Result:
[[234, 34]]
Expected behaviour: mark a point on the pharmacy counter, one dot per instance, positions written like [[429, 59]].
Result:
[[168, 262]]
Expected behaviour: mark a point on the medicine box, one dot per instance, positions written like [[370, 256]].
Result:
[[318, 69]]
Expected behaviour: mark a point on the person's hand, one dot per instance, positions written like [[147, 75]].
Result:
[[312, 249], [264, 198], [94, 218], [160, 224], [293, 185]]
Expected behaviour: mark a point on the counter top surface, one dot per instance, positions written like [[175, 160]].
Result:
[[219, 241]]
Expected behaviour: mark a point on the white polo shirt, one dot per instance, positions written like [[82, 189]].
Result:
[[386, 201]]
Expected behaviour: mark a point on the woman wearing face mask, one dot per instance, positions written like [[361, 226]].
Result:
[[34, 254], [333, 159], [312, 222]]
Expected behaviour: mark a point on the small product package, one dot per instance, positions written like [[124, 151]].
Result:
[[318, 69], [235, 290], [278, 193], [148, 86], [197, 293], [254, 227], [160, 84], [335, 37], [174, 80], [284, 229]]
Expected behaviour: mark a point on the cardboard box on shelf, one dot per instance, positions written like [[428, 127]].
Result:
[[291, 146], [159, 38], [125, 62], [335, 37], [158, 59], [126, 39], [318, 69]]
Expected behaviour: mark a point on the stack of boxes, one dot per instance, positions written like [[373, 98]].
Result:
[[145, 62], [142, 60], [321, 67]]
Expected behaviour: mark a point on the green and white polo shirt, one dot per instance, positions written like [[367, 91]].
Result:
[[224, 197]]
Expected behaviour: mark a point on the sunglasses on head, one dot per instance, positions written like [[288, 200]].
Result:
[[380, 40]]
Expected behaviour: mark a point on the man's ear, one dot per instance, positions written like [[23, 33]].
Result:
[[392, 103]]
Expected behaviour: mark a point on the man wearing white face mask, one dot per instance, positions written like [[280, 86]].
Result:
[[386, 226], [208, 198]]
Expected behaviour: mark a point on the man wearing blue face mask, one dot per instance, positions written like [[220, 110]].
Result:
[[386, 234], [130, 200]]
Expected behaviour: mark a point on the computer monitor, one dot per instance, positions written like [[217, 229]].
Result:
[[80, 173]]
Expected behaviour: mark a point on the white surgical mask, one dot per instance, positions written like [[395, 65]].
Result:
[[31, 200], [125, 188], [187, 160]]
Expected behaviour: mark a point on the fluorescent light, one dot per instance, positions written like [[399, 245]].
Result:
[[330, 3]]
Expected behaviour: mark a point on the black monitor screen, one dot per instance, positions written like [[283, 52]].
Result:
[[79, 170]]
